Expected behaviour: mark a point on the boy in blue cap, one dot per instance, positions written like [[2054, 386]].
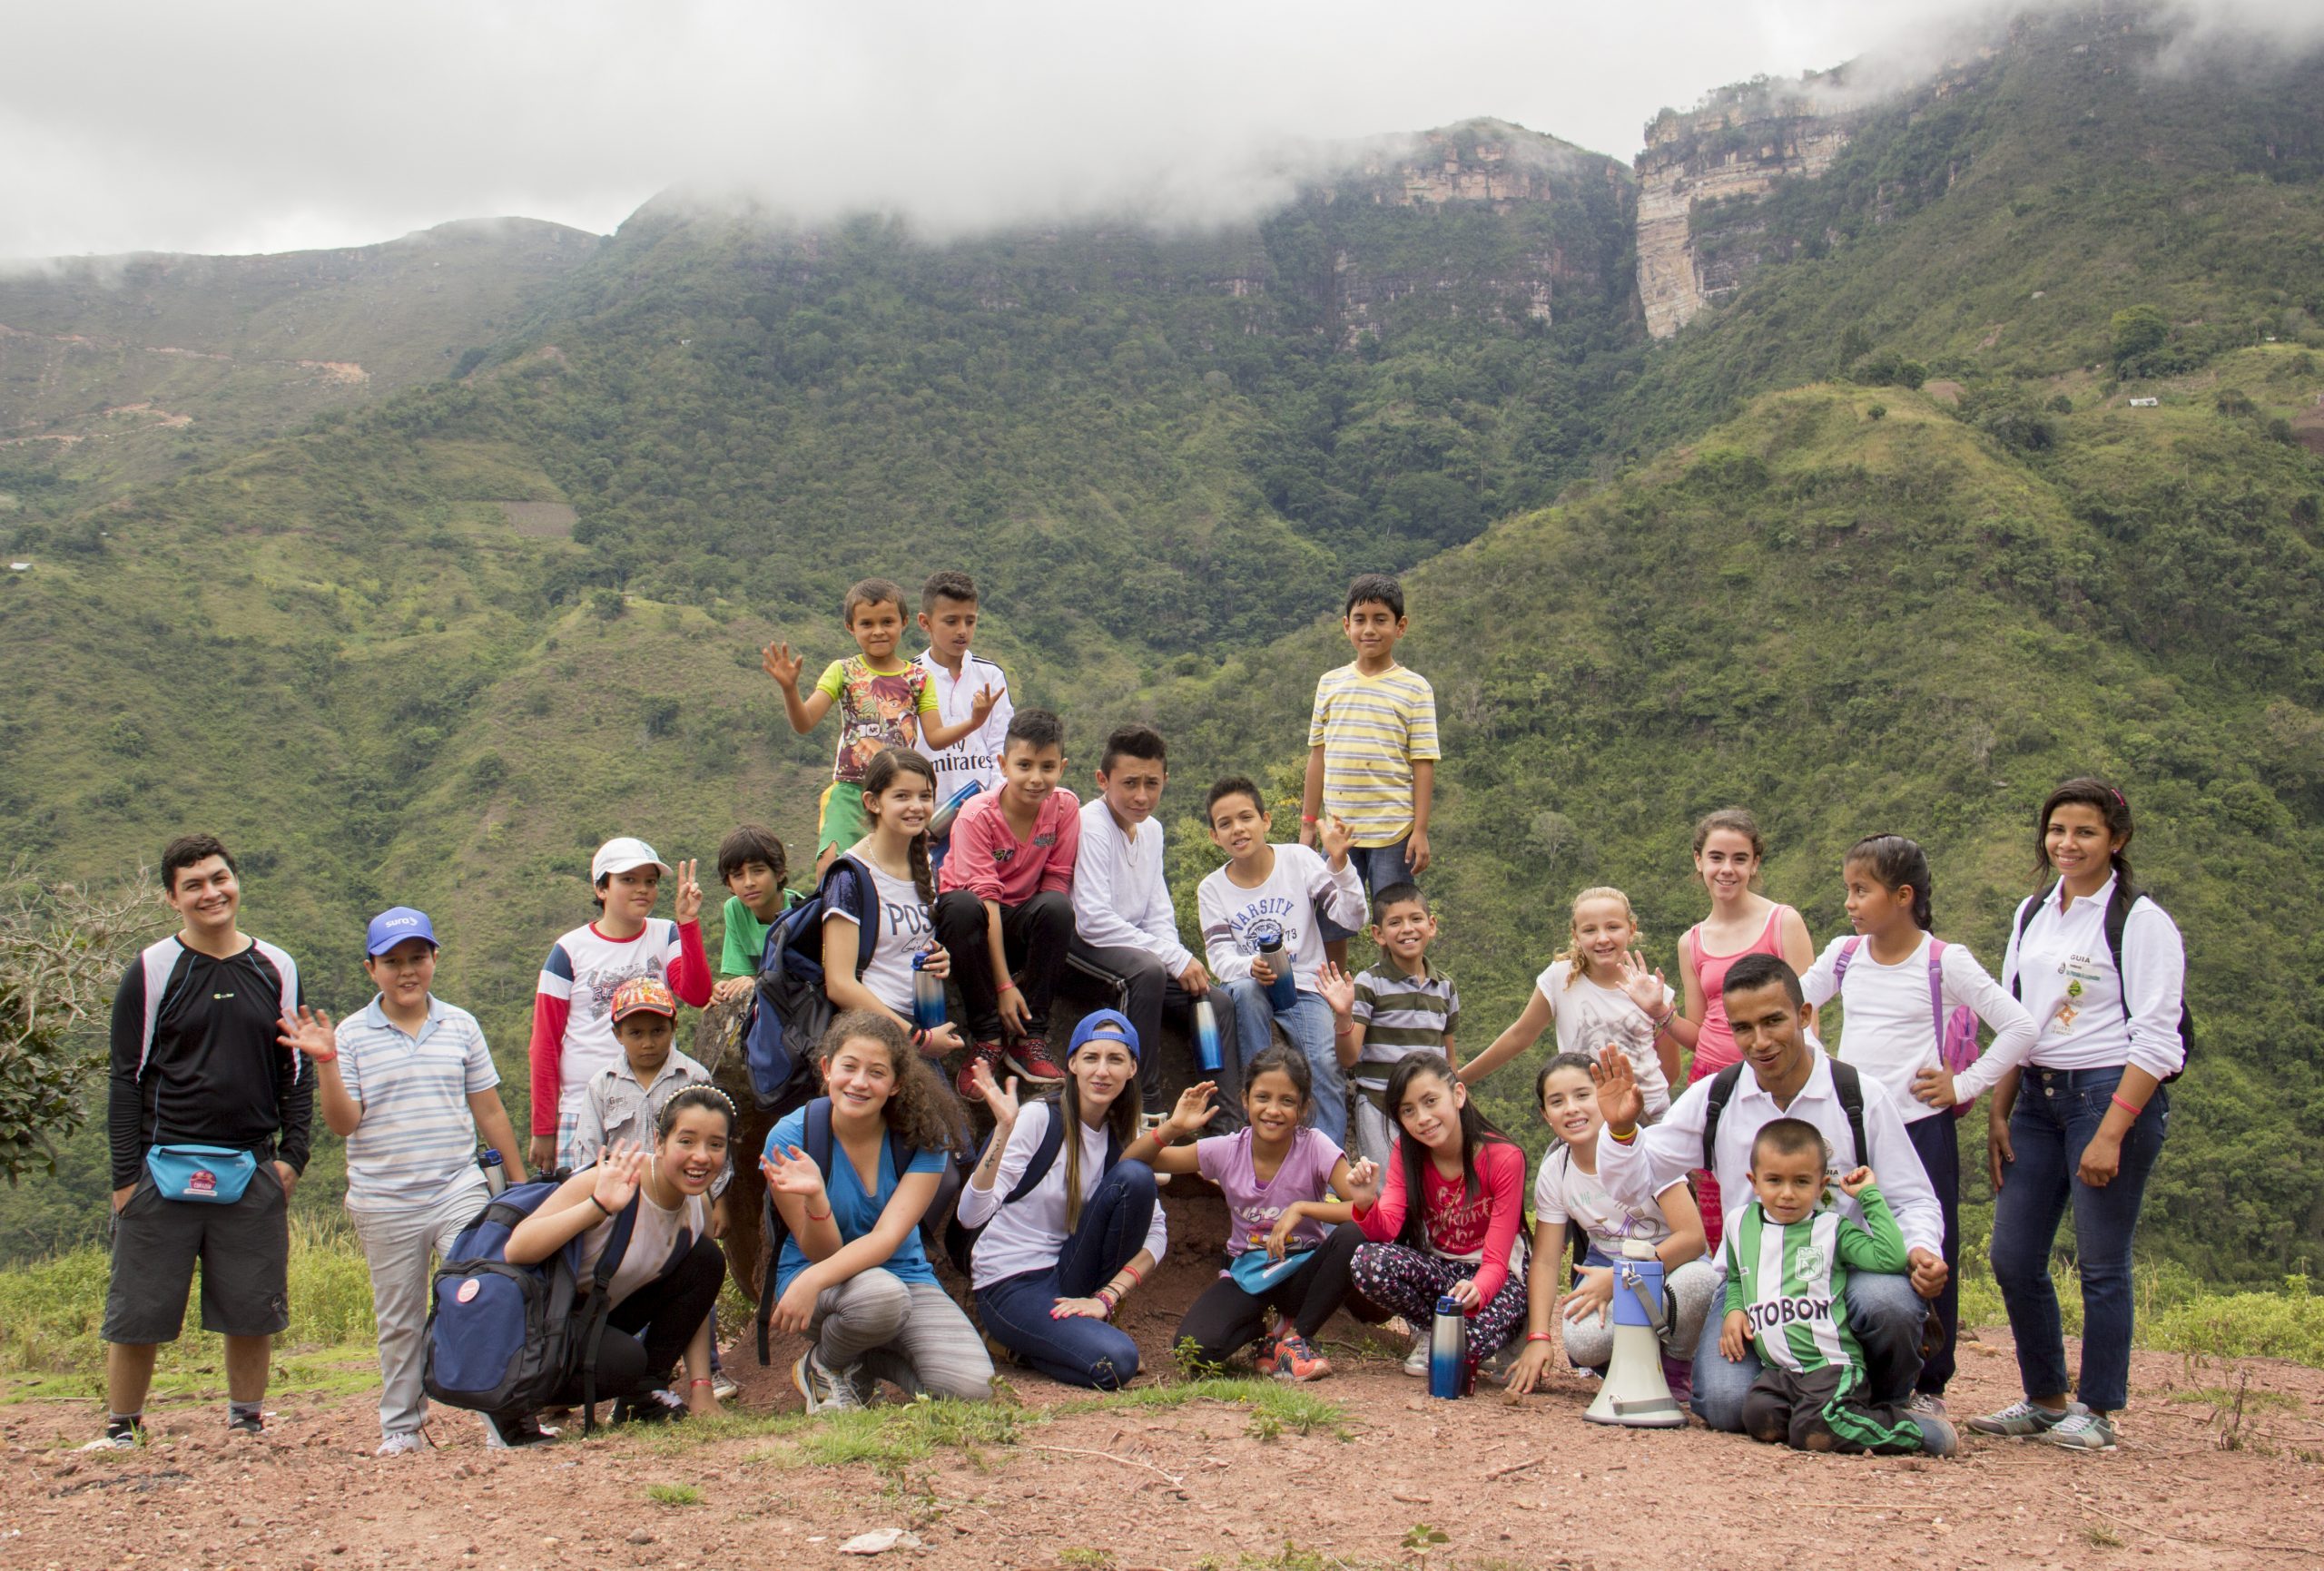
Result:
[[408, 1082]]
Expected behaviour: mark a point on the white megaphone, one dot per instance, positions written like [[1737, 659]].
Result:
[[1634, 1392]]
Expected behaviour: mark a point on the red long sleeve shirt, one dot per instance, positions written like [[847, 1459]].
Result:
[[1482, 1227], [573, 1038]]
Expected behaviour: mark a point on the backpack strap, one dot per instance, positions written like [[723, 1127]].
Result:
[[2118, 917], [817, 1142], [1841, 961], [1850, 1086], [593, 1334], [1937, 991], [846, 887], [2025, 917], [1052, 1141], [1722, 1088]]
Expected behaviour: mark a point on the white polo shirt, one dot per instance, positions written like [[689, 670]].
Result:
[[2068, 984], [416, 1146]]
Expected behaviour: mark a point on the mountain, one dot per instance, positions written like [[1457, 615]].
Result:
[[1805, 539]]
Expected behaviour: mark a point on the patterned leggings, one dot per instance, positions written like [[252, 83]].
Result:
[[1400, 1279]]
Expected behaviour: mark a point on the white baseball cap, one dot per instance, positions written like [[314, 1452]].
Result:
[[623, 854]]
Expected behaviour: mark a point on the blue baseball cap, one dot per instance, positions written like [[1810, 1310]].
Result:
[[393, 926], [1088, 1031]]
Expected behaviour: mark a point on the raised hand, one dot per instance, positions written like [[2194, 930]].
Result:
[[1362, 1182], [1643, 988], [790, 1171], [689, 906], [621, 1167], [1855, 1181], [309, 1032], [981, 705], [999, 1100], [1198, 1106], [1336, 839], [1619, 1097], [1337, 988], [777, 661]]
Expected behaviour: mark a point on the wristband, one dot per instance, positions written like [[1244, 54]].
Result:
[[705, 1381], [1136, 1277], [1539, 1337], [1621, 1138], [2126, 1108], [920, 1035], [811, 1216], [598, 1203], [329, 1057], [1009, 986]]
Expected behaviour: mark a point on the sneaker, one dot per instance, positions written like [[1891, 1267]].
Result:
[[1938, 1438], [654, 1408], [965, 1082], [516, 1432], [1926, 1404], [245, 1423], [410, 1443], [825, 1392], [1416, 1360], [723, 1386], [121, 1435], [1029, 1056], [2019, 1421], [1263, 1355], [1294, 1360], [2081, 1430]]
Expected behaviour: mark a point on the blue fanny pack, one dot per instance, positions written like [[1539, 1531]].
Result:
[[1254, 1272], [212, 1174]]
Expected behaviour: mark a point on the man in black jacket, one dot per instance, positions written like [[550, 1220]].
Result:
[[209, 1115]]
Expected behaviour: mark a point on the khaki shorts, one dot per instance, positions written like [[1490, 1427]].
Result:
[[245, 1254]]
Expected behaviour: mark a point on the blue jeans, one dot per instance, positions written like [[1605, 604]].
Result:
[[1378, 867], [1308, 1024], [1077, 1351], [2057, 1111], [1885, 1316]]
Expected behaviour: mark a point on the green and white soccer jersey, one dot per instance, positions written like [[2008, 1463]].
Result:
[[1791, 1280]]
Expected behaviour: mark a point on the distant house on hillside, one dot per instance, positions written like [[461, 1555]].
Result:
[[2144, 403]]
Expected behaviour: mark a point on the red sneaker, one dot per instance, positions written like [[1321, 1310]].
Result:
[[1296, 1361], [1029, 1056], [965, 1081]]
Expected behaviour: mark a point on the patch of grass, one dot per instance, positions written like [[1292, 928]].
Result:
[[2102, 1536], [674, 1494], [2172, 1313], [2220, 1397]]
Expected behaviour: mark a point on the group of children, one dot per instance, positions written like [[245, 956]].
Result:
[[1357, 1168]]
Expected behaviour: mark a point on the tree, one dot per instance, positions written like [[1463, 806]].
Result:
[[62, 951], [2138, 331]]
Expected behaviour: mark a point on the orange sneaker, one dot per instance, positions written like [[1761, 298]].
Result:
[[1294, 1360]]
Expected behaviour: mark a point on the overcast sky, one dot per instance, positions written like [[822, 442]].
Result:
[[243, 125]]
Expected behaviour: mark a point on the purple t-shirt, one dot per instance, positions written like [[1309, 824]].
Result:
[[1252, 1207]]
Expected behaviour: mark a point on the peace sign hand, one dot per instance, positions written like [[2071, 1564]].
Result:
[[981, 705], [777, 661], [620, 1168], [689, 892]]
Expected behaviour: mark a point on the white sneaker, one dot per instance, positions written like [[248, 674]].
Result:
[[1416, 1360], [722, 1387], [408, 1443], [825, 1392]]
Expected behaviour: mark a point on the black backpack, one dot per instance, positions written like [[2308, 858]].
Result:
[[1844, 1080], [960, 1241], [790, 1011], [934, 1223], [505, 1338], [2118, 916]]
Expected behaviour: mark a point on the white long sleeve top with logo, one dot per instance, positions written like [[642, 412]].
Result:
[[2068, 984], [1890, 1034], [975, 756], [1120, 898], [1028, 1235], [1300, 884], [1660, 1152]]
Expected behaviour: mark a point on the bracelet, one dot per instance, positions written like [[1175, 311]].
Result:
[[1136, 1277], [920, 1035], [598, 1203], [1305, 819], [1008, 986], [1539, 1337], [1664, 1024], [705, 1381], [826, 1216], [1621, 1139], [329, 1057], [1105, 1295], [2126, 1108]]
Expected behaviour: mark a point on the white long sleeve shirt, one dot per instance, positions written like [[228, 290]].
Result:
[[2068, 984], [1301, 884], [1890, 1032], [1636, 1173], [975, 756], [1120, 898], [1031, 1234]]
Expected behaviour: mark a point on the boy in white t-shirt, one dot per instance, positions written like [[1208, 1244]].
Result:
[[1267, 899]]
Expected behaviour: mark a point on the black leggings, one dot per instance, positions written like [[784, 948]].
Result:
[[1225, 1319], [647, 1332]]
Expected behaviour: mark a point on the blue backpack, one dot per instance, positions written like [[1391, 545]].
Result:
[[790, 1011], [818, 1146], [504, 1338]]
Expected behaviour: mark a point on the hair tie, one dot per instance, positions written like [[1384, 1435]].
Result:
[[2118, 800]]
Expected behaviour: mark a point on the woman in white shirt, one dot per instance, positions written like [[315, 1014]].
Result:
[[1069, 1227], [1901, 989], [2101, 969]]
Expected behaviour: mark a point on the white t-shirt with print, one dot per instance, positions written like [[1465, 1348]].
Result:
[[1588, 1016], [906, 927], [1563, 1192]]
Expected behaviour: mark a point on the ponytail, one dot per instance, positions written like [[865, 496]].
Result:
[[881, 774], [1896, 863]]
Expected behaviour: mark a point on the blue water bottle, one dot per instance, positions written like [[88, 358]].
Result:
[[927, 993], [1448, 1350], [1207, 1051], [940, 827], [1266, 944]]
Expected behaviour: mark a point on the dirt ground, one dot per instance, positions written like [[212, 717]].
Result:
[[1507, 1481]]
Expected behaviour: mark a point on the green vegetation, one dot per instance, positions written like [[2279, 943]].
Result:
[[674, 1494]]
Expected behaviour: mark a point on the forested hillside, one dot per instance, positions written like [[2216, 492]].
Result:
[[1840, 550]]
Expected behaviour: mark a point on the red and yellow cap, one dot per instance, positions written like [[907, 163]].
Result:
[[642, 994]]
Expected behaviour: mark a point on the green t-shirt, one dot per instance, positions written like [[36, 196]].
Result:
[[746, 937], [1792, 1281]]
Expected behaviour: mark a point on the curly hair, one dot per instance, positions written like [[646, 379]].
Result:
[[921, 1109], [1575, 964]]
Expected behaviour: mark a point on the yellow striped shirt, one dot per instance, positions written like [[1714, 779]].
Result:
[[1372, 728]]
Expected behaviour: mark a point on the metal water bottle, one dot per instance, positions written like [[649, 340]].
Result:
[[927, 993], [1207, 1051], [496, 1172], [1448, 1350], [940, 826], [1266, 944]]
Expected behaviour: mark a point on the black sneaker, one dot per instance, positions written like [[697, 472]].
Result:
[[246, 1423], [121, 1435], [507, 1435]]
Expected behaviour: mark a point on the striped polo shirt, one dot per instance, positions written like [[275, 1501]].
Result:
[[416, 1145], [1403, 1015], [1372, 728]]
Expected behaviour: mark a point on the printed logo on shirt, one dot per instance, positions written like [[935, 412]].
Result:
[[592, 990], [215, 996], [1262, 923], [1787, 1311], [911, 920], [1807, 1261]]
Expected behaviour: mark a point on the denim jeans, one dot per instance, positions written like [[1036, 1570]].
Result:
[[1077, 1351], [1884, 1314], [1308, 1024], [2057, 1111], [1378, 867]]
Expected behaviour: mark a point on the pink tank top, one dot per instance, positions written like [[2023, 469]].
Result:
[[1715, 1048]]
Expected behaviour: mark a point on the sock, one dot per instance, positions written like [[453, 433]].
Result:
[[135, 1420], [237, 1410]]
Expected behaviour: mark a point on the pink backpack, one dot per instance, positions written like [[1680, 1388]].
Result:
[[1956, 1033]]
